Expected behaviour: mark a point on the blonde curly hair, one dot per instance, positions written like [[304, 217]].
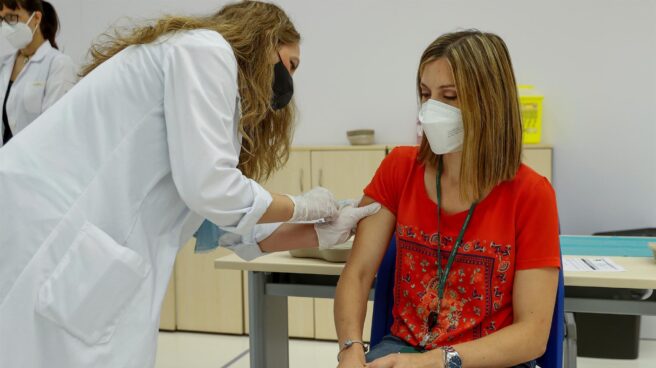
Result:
[[254, 30]]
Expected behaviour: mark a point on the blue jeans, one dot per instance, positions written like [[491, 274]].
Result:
[[392, 345]]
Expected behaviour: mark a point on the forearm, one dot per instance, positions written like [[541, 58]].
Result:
[[290, 236], [281, 209], [508, 347], [351, 299]]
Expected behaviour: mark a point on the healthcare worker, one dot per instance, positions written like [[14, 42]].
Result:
[[35, 74], [168, 127]]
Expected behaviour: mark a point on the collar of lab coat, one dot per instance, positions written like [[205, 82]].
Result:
[[9, 59], [41, 52], [38, 56]]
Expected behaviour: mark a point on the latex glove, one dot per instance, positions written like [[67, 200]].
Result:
[[319, 203], [343, 226]]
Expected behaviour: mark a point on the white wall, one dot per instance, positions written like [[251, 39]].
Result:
[[594, 60]]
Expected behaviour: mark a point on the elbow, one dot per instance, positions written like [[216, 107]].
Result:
[[538, 345], [190, 190], [347, 281], [224, 202], [193, 197], [539, 349]]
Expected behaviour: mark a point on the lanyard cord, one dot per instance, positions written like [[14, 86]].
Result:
[[443, 273]]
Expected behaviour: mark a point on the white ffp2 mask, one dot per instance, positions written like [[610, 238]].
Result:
[[20, 34], [443, 127]]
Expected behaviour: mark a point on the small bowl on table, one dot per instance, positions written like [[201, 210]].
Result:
[[360, 137]]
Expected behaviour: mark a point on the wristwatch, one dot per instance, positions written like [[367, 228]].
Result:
[[451, 358]]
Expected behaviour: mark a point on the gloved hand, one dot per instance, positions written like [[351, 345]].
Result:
[[343, 226], [319, 203]]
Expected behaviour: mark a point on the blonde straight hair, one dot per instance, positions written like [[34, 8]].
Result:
[[487, 91], [254, 30]]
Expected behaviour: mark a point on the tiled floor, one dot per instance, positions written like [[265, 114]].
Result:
[[190, 350]]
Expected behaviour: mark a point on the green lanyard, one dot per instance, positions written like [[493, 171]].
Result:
[[443, 273]]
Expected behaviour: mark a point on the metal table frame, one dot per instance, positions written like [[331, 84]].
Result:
[[277, 276], [268, 292], [268, 314]]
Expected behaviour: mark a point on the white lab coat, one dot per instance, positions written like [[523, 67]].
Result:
[[45, 78], [101, 191]]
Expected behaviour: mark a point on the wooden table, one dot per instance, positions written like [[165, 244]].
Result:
[[276, 276]]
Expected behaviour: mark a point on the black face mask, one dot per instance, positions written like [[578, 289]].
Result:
[[283, 86]]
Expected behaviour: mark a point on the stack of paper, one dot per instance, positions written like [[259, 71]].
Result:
[[589, 264]]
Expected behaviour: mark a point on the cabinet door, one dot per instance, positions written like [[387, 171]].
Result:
[[167, 317], [207, 299], [293, 178], [539, 159], [345, 173]]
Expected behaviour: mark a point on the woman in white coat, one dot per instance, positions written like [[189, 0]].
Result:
[[35, 74], [170, 125]]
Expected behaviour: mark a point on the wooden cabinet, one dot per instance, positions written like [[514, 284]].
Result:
[[539, 159], [345, 173], [207, 299], [294, 177]]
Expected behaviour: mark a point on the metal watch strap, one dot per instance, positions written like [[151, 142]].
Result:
[[348, 343], [451, 357]]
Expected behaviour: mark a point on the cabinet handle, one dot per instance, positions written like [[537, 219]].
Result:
[[321, 177], [300, 181]]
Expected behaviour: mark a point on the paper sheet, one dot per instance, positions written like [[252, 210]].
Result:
[[591, 264]]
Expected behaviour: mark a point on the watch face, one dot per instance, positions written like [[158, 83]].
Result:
[[454, 361]]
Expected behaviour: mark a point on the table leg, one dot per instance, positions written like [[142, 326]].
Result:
[[570, 341], [269, 339]]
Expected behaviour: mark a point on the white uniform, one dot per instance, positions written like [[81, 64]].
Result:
[[45, 78], [101, 191]]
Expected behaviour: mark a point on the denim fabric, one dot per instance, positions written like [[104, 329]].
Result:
[[389, 345], [392, 345]]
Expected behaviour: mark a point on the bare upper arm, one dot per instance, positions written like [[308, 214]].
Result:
[[534, 297], [371, 241]]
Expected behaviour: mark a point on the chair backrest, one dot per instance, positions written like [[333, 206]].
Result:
[[553, 356], [384, 302], [384, 295]]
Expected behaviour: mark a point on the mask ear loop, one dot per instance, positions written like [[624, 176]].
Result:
[[27, 57], [35, 27], [30, 19]]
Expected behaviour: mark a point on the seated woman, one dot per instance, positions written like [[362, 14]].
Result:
[[477, 231]]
